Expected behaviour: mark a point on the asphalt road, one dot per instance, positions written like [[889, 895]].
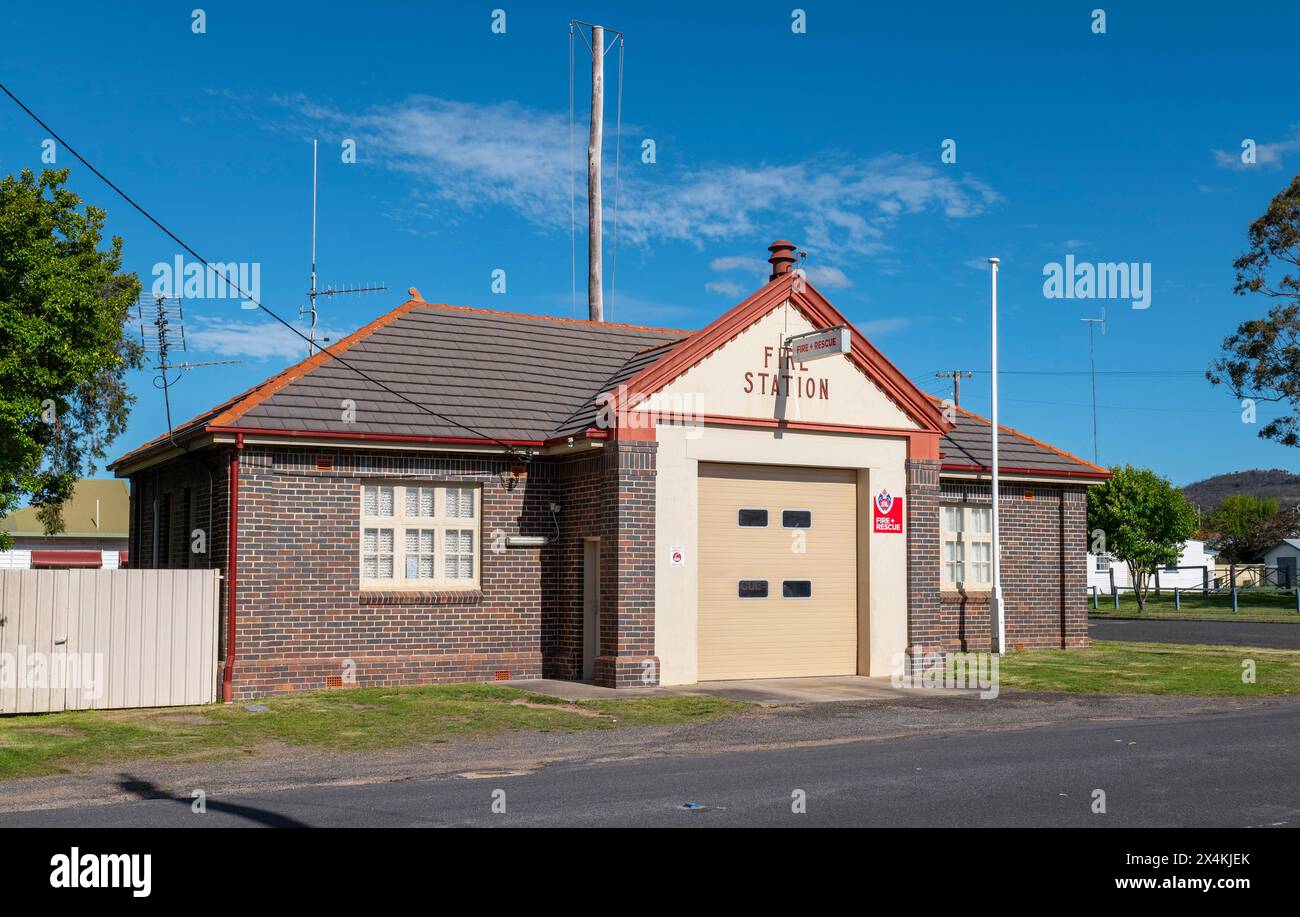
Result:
[[1281, 636], [1223, 769]]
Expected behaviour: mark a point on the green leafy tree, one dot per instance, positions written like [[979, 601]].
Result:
[[1143, 522], [1261, 359], [1246, 526], [64, 350]]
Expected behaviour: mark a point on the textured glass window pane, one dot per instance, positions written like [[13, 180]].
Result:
[[426, 541], [370, 540], [952, 518], [982, 520], [412, 566], [385, 501], [412, 540], [386, 540], [370, 566], [460, 502], [426, 567], [370, 501], [419, 501], [386, 567]]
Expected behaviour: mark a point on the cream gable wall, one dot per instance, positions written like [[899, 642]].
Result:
[[716, 386]]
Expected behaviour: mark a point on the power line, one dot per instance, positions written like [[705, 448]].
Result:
[[1100, 372], [171, 235]]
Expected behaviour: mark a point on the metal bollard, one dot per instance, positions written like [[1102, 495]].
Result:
[[1234, 600], [1178, 602], [1094, 597]]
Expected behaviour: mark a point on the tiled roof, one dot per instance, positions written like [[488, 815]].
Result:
[[507, 376], [484, 374], [969, 446]]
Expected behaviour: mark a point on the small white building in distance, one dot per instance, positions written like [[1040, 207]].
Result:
[[1285, 556], [1188, 573]]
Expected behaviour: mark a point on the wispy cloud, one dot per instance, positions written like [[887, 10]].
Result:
[[883, 326], [725, 288], [1269, 155], [822, 275], [470, 157], [252, 340]]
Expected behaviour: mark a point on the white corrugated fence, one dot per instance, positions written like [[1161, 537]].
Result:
[[79, 639]]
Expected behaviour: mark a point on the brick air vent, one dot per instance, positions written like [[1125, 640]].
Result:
[[333, 681], [324, 463], [501, 675]]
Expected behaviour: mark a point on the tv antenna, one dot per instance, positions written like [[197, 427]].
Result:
[[162, 332], [1092, 358], [330, 290]]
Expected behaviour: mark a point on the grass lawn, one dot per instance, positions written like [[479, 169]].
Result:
[[347, 720], [1153, 668], [1260, 606]]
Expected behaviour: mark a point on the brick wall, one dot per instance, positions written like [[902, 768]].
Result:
[[302, 616], [1044, 574], [607, 494], [169, 485], [924, 615]]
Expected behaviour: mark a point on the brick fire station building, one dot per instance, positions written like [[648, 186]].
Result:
[[519, 496]]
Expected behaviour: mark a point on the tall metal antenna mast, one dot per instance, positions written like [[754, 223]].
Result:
[[1092, 359], [329, 290]]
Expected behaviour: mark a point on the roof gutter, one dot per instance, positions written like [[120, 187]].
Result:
[[376, 437], [232, 539], [1007, 469]]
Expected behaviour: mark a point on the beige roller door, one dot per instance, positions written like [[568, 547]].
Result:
[[775, 635]]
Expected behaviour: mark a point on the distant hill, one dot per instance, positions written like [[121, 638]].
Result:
[[1273, 483]]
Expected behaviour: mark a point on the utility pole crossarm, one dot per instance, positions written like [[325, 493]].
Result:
[[956, 375]]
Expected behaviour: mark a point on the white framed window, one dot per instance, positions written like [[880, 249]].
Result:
[[1103, 563], [419, 536], [966, 555]]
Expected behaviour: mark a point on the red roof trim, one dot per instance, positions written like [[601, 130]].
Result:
[[377, 437], [695, 349], [1097, 470], [1042, 472]]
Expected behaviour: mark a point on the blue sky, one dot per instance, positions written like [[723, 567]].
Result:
[[1115, 147]]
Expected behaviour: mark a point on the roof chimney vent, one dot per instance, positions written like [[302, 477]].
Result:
[[782, 259]]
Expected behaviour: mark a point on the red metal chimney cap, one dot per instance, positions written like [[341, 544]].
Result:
[[782, 259]]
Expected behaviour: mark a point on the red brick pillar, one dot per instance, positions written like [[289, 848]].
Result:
[[1074, 562], [925, 627], [627, 605]]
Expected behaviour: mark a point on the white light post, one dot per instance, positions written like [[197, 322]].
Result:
[[999, 616]]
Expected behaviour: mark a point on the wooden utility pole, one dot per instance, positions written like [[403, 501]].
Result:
[[595, 292], [956, 376]]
